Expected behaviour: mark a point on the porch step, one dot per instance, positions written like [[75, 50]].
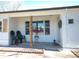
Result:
[[22, 50], [75, 52]]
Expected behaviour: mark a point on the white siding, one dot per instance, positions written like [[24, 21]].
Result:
[[12, 24], [70, 32], [73, 30], [4, 37]]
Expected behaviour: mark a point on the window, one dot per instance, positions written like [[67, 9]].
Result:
[[47, 27], [0, 26], [36, 25], [27, 28], [5, 25], [70, 21]]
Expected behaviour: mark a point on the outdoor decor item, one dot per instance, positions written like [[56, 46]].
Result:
[[60, 24], [36, 38]]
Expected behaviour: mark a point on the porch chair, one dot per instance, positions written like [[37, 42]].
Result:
[[19, 36], [12, 37]]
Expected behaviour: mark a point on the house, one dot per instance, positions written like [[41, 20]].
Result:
[[59, 24]]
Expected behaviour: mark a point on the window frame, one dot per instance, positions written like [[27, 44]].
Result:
[[36, 22], [1, 26], [70, 21], [27, 28], [47, 27]]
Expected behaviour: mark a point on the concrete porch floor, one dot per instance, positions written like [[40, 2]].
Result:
[[40, 45]]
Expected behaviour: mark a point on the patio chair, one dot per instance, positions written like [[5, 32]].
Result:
[[12, 37], [19, 35]]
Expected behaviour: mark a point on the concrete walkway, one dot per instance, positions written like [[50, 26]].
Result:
[[59, 54], [46, 54], [21, 50]]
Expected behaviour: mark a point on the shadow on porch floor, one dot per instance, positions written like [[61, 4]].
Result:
[[40, 45]]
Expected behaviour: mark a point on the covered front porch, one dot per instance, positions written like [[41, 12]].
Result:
[[40, 45], [49, 36]]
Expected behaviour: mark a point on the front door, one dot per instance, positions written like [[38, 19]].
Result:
[[38, 30]]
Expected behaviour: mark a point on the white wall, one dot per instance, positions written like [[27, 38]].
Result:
[[4, 36], [70, 32], [12, 24], [73, 30], [4, 39], [20, 21]]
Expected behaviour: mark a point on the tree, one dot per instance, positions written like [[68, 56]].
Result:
[[9, 5]]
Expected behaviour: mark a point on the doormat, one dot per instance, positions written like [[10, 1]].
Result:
[[76, 53], [22, 50]]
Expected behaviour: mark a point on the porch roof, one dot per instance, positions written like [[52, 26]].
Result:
[[44, 9]]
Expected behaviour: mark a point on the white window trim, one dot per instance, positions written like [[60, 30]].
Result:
[[2, 26]]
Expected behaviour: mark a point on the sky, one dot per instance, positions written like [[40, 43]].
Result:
[[47, 4], [35, 4]]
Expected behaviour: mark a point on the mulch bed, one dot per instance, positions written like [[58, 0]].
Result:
[[22, 50], [75, 52]]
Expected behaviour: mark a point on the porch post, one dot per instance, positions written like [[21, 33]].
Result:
[[30, 29]]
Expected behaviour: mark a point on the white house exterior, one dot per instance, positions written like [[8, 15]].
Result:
[[67, 36]]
